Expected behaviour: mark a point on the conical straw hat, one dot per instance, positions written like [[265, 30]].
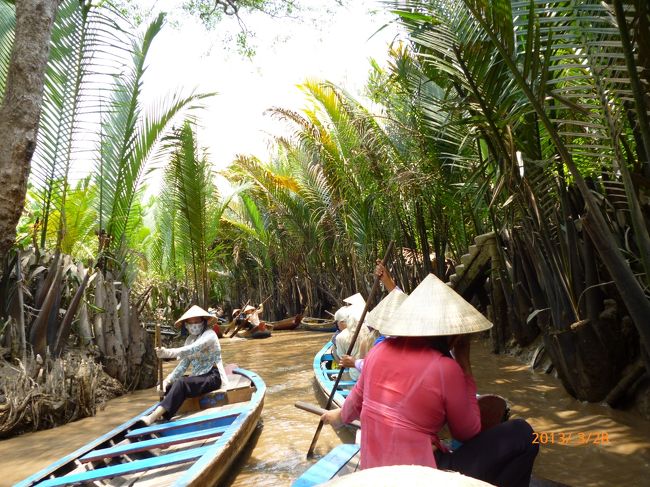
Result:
[[386, 307], [356, 300], [196, 312], [434, 309]]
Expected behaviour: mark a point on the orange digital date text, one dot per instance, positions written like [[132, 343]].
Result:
[[570, 438]]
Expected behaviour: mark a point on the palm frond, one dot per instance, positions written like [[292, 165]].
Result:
[[7, 26]]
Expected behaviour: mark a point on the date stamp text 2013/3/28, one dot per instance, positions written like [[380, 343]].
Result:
[[571, 438]]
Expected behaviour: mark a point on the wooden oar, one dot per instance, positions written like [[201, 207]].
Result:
[[312, 408], [375, 286], [237, 321], [158, 343]]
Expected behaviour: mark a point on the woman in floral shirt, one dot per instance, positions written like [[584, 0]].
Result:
[[202, 353]]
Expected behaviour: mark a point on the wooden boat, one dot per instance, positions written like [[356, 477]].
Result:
[[195, 448], [290, 323], [256, 332], [318, 324], [326, 375]]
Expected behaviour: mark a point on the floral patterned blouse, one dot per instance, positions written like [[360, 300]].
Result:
[[202, 352]]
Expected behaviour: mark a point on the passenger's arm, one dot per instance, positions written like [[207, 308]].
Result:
[[353, 404], [459, 395], [206, 340]]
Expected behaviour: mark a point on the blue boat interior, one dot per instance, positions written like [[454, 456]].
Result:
[[133, 447]]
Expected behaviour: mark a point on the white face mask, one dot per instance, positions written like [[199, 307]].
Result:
[[194, 328]]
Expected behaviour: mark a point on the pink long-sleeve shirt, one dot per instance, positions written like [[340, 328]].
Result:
[[406, 393]]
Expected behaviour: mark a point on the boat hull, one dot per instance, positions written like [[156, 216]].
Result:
[[287, 324], [326, 376], [195, 448], [318, 324]]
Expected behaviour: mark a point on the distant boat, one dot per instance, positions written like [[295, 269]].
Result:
[[256, 332], [196, 448], [326, 375], [290, 323], [318, 324], [259, 331]]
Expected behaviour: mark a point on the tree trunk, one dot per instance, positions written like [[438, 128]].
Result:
[[21, 109]]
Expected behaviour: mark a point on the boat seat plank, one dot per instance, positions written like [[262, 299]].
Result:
[[332, 371], [344, 392], [127, 468], [170, 425], [162, 442], [328, 466], [347, 383]]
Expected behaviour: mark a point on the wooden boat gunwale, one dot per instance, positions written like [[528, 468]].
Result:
[[215, 458]]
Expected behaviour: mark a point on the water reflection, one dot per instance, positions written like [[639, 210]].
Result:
[[276, 454]]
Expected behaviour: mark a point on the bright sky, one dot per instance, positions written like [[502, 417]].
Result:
[[333, 43]]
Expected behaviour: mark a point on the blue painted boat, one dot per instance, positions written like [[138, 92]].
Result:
[[342, 460], [196, 448], [326, 375]]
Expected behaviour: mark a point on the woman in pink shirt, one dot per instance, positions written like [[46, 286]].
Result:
[[411, 386]]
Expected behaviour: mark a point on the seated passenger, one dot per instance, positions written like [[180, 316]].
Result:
[[409, 390], [201, 352]]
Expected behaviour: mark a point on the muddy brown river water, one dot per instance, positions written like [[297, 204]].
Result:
[[574, 450]]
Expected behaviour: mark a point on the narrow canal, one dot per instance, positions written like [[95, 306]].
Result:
[[276, 454]]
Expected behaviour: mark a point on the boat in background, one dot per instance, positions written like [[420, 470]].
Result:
[[318, 324], [259, 331], [196, 448], [325, 372], [290, 323]]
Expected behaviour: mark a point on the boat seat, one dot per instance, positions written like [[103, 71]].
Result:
[[328, 466], [190, 423], [239, 389], [345, 383], [344, 392], [161, 442], [127, 468]]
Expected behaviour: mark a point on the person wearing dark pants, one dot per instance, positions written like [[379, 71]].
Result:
[[502, 455], [201, 352], [189, 387], [419, 379]]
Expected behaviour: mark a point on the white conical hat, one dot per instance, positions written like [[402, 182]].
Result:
[[434, 309], [196, 312], [386, 307], [355, 300]]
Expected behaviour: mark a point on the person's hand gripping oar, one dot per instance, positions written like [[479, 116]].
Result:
[[375, 286]]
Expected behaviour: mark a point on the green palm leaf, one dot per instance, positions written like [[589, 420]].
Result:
[[7, 26]]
